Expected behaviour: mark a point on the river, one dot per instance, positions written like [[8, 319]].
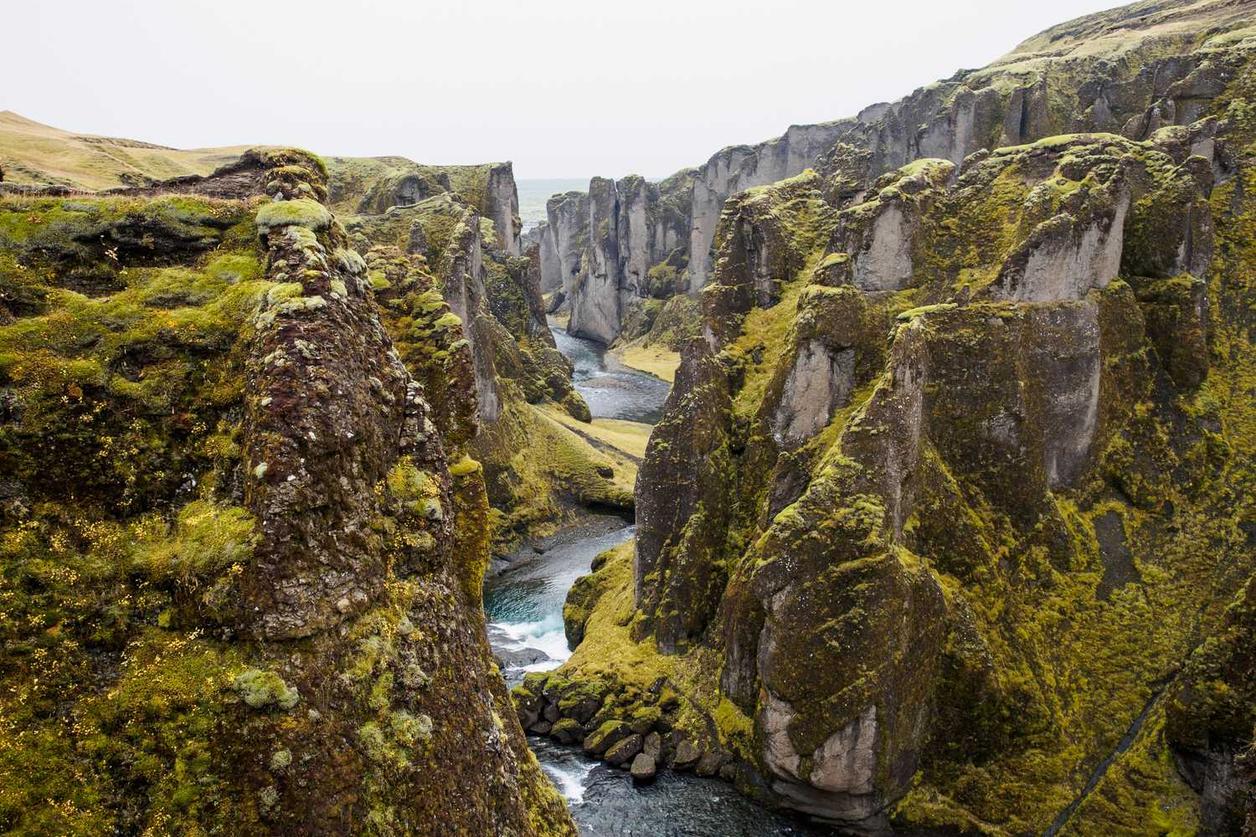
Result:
[[524, 605]]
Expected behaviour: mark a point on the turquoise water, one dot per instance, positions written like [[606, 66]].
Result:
[[534, 193], [524, 606]]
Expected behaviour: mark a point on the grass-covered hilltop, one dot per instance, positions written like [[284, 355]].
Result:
[[947, 527], [948, 524]]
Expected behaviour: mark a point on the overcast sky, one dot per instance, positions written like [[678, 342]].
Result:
[[564, 88]]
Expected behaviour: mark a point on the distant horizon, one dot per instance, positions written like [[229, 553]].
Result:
[[553, 87]]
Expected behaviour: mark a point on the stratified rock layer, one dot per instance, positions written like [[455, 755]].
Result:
[[1130, 71]]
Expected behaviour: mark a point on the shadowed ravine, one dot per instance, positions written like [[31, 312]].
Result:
[[524, 606]]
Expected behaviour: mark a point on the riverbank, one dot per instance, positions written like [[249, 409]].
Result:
[[524, 598], [658, 361]]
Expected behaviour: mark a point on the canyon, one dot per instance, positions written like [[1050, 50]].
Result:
[[893, 475]]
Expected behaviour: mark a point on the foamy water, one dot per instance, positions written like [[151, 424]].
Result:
[[524, 604]]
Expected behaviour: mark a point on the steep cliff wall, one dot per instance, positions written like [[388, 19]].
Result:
[[241, 548], [374, 185], [1128, 71], [496, 299], [616, 252], [946, 524]]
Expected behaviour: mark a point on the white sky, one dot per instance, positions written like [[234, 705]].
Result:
[[564, 88]]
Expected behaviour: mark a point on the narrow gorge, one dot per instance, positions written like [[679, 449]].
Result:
[[891, 476]]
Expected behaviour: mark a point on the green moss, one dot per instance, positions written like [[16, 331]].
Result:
[[913, 313], [464, 467], [118, 379], [302, 212], [265, 690], [393, 741], [207, 538], [449, 320]]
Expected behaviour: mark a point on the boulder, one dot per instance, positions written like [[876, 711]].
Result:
[[643, 768], [623, 751], [709, 764], [567, 731], [653, 746], [606, 736], [687, 754]]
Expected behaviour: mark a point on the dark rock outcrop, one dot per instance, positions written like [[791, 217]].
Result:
[[942, 516], [281, 630]]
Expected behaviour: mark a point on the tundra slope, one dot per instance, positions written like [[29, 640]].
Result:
[[241, 548], [948, 521], [619, 251]]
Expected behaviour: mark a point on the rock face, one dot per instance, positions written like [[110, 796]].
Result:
[[1104, 73], [739, 168], [269, 541], [818, 383], [376, 185], [458, 242], [604, 249], [501, 205], [683, 517], [933, 530]]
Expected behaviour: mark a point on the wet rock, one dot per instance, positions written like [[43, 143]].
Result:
[[643, 768], [605, 736], [653, 746], [624, 750], [519, 658], [709, 764], [687, 754], [567, 731]]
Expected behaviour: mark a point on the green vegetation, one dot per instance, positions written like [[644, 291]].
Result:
[[264, 690], [580, 468], [301, 212], [1020, 591]]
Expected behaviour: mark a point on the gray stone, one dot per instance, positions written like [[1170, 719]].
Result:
[[624, 750], [643, 768], [709, 764], [687, 754], [819, 382], [653, 746]]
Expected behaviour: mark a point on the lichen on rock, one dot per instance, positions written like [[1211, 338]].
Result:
[[233, 588], [942, 517]]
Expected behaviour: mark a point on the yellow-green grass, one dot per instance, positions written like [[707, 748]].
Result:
[[659, 361], [35, 154], [629, 437], [620, 444], [608, 648]]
